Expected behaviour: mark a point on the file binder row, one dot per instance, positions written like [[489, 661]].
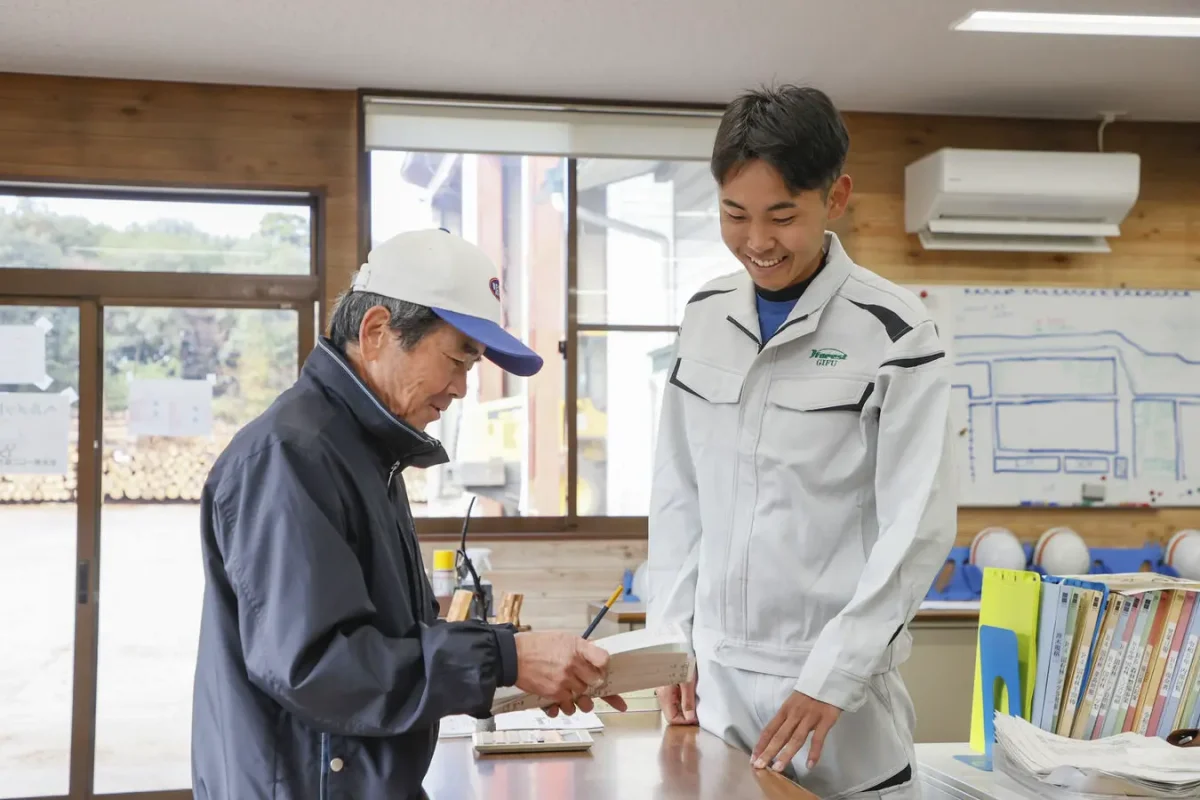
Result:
[[1100, 655]]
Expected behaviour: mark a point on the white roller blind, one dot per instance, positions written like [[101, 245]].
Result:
[[398, 124]]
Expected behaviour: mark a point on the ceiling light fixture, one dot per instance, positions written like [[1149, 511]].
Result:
[[1079, 24]]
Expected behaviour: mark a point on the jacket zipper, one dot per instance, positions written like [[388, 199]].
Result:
[[326, 753], [733, 521], [412, 551], [745, 589]]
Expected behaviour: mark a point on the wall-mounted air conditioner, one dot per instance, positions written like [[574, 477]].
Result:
[[1017, 200]]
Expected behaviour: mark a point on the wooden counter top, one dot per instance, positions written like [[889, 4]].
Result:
[[636, 757]]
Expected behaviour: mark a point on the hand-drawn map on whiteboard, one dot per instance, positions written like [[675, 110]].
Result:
[[1059, 393]]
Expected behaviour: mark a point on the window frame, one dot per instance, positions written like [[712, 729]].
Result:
[[304, 294], [572, 525]]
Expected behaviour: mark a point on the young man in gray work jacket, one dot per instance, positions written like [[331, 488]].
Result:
[[801, 506]]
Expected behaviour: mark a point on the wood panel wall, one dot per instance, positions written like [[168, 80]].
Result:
[[189, 135]]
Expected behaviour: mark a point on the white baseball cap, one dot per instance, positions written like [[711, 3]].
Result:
[[457, 281]]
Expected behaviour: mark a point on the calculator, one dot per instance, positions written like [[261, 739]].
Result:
[[530, 741]]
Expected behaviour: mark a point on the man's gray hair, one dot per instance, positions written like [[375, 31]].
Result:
[[409, 321]]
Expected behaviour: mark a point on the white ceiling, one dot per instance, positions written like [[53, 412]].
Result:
[[870, 55]]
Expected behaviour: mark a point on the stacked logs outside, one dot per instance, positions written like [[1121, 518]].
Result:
[[150, 469]]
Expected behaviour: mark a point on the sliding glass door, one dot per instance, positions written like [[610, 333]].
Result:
[[39, 541], [178, 383], [139, 330]]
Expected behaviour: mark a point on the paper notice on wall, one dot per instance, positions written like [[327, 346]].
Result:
[[34, 433], [170, 407], [23, 355]]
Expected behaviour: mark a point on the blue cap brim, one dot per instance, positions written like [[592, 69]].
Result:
[[500, 347]]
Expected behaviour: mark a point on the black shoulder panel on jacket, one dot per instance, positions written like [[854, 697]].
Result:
[[895, 326], [702, 295], [915, 361]]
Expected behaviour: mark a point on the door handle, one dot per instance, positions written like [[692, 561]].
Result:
[[82, 579]]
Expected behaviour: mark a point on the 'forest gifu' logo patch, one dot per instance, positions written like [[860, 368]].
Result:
[[827, 357]]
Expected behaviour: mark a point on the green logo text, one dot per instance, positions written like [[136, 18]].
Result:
[[828, 357]]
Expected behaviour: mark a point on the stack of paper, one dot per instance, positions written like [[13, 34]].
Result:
[[1117, 654], [463, 726], [641, 659], [1128, 765], [537, 720]]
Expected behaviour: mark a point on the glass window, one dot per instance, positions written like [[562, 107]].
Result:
[[152, 235], [504, 438], [621, 380], [178, 383], [648, 239]]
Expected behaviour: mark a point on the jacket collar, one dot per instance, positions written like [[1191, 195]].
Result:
[[807, 311], [394, 439]]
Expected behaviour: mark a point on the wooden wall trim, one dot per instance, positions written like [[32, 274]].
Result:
[[571, 102], [168, 288]]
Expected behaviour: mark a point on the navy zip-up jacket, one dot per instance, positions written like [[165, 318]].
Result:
[[322, 669]]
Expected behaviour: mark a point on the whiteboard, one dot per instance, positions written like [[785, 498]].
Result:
[[1061, 394]]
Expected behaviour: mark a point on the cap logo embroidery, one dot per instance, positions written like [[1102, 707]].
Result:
[[494, 285]]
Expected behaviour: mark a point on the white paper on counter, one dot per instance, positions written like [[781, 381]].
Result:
[[456, 726], [538, 720]]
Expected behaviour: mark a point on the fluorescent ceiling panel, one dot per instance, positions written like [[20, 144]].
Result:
[[1080, 24]]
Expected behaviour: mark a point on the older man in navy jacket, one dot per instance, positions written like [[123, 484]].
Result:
[[323, 670]]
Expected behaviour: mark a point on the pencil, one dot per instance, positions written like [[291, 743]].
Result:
[[604, 610]]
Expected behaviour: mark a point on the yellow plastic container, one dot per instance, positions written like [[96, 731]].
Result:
[[442, 578], [443, 559]]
